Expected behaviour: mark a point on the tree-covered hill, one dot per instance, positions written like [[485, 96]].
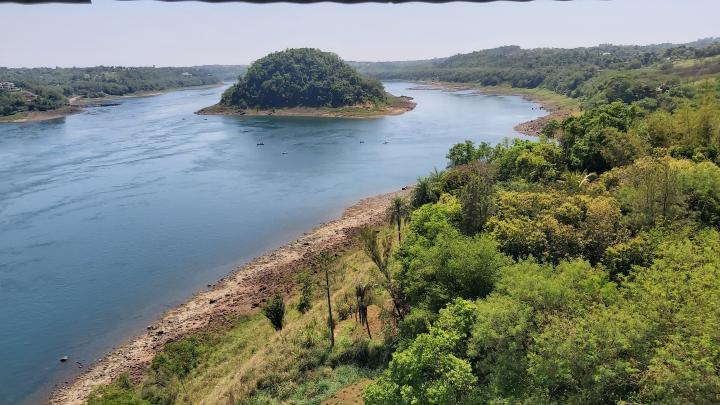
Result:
[[564, 71], [302, 77]]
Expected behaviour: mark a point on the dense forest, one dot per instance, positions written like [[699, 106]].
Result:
[[302, 78], [577, 268], [572, 72], [43, 89]]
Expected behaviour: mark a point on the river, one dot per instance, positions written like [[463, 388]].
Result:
[[111, 216]]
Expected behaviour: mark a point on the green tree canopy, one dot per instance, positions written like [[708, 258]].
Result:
[[302, 77]]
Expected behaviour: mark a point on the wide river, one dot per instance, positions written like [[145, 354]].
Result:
[[111, 216]]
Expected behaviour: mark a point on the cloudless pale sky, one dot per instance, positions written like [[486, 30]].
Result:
[[143, 33]]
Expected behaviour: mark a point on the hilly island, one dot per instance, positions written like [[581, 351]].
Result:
[[307, 82]]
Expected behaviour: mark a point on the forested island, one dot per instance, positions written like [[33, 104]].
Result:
[[58, 91], [307, 82], [580, 267]]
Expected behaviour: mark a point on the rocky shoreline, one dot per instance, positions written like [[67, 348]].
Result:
[[240, 292]]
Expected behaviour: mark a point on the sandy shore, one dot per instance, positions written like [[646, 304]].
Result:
[[397, 105], [554, 110], [240, 292]]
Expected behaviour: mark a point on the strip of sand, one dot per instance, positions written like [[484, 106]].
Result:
[[238, 293]]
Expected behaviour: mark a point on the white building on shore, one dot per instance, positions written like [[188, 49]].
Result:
[[7, 86]]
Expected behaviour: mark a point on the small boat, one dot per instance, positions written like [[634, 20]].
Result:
[[284, 153], [386, 142], [260, 143], [362, 141]]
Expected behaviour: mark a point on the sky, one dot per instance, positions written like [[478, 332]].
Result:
[[144, 33]]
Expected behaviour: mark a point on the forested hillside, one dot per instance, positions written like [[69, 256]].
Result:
[[43, 89], [565, 71], [576, 269]]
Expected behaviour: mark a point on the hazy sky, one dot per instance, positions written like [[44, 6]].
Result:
[[145, 33]]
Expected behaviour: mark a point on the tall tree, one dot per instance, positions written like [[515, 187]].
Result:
[[377, 246], [477, 204], [324, 262], [363, 294], [399, 212]]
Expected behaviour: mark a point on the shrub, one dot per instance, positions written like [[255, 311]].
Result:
[[274, 310]]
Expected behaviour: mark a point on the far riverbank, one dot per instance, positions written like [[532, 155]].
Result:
[[77, 104]]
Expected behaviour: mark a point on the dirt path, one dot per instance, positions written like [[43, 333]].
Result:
[[240, 292]]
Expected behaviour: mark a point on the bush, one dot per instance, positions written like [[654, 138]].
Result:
[[305, 302], [274, 310]]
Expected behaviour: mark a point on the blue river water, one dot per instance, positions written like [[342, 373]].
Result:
[[111, 216]]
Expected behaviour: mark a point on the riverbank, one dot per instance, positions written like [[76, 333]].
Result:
[[33, 116], [241, 292], [76, 104], [394, 106], [557, 106]]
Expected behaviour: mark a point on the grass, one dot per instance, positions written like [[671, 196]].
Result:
[[249, 362]]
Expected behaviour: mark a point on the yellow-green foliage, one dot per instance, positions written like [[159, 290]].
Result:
[[553, 226]]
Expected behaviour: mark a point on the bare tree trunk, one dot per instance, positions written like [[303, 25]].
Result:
[[367, 325], [331, 324]]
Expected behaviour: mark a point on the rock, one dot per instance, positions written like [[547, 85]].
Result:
[[63, 359], [213, 301], [160, 332]]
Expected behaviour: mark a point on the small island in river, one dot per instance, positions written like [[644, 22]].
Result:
[[307, 82]]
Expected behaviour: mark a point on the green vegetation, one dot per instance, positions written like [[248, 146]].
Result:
[[578, 73], [274, 311], [302, 78], [578, 268], [44, 89]]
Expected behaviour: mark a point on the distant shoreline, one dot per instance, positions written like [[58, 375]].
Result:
[[397, 105], [558, 107], [78, 104]]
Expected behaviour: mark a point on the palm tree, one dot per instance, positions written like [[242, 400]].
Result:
[[378, 247], [363, 293], [428, 188], [399, 211]]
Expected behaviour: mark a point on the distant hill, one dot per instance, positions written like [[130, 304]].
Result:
[[564, 71], [302, 77]]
